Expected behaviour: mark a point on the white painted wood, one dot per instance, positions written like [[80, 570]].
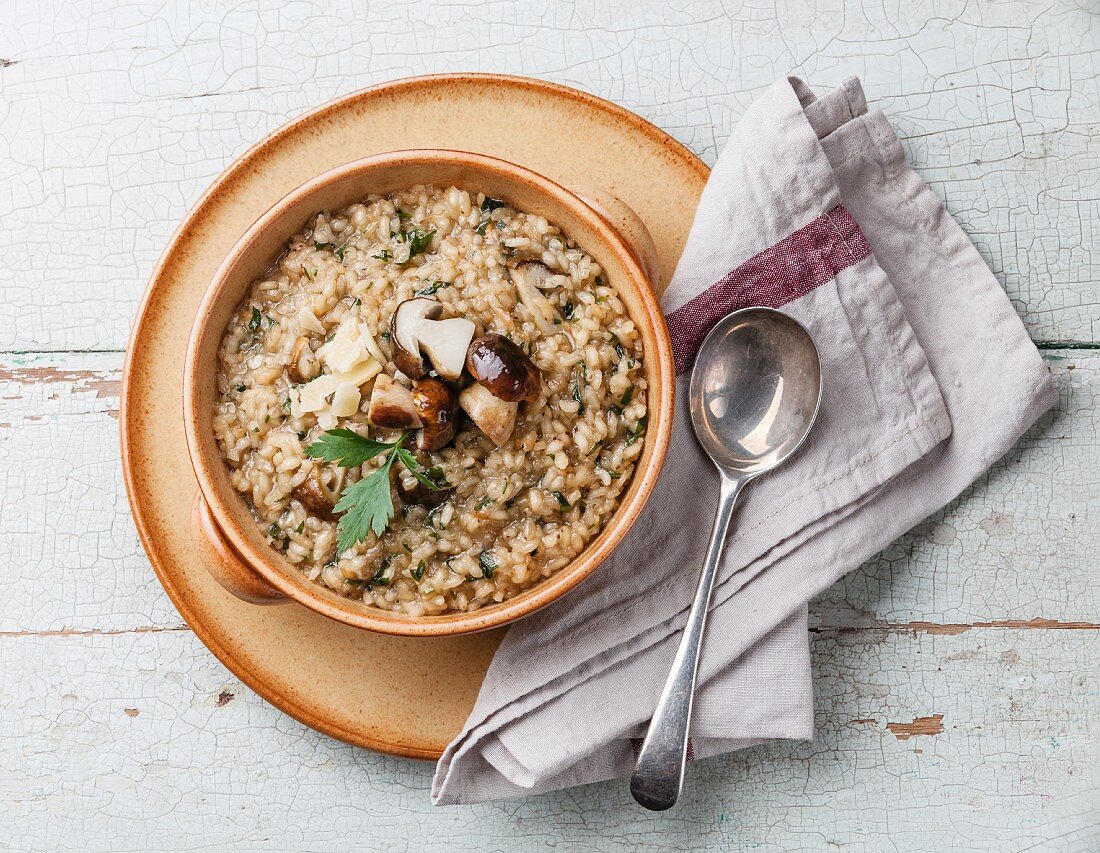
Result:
[[142, 742], [119, 731], [116, 115]]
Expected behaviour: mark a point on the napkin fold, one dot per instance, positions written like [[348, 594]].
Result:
[[929, 377]]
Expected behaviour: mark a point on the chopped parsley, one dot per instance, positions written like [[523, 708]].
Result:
[[488, 564], [482, 227], [384, 255], [567, 310], [418, 572], [256, 319], [433, 288], [484, 502], [417, 240], [562, 502], [491, 204], [636, 433]]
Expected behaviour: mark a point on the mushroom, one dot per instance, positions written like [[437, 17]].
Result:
[[527, 276], [494, 417], [534, 272], [318, 497], [503, 368], [437, 406], [415, 326], [303, 363], [392, 405]]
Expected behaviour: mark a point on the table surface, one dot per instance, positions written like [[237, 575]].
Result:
[[957, 673]]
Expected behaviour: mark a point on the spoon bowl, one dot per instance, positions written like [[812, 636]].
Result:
[[755, 390], [753, 396]]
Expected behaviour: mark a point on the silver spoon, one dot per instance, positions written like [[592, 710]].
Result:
[[753, 397]]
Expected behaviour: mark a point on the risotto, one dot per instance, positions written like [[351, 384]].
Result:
[[432, 400]]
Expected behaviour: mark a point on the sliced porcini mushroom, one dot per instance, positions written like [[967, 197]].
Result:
[[303, 362], [416, 329], [503, 368], [437, 406], [534, 272], [392, 405], [524, 276], [493, 416], [320, 492]]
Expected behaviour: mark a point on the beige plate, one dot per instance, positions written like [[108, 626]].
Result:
[[398, 695]]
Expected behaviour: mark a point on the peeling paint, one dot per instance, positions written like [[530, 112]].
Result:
[[930, 726]]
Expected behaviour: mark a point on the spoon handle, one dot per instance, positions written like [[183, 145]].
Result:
[[659, 772]]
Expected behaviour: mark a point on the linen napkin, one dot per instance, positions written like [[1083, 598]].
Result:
[[929, 377]]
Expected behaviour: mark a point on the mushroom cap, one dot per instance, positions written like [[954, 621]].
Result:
[[437, 406], [493, 416], [392, 405], [503, 368], [403, 332]]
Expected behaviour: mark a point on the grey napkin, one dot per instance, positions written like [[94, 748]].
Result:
[[929, 378]]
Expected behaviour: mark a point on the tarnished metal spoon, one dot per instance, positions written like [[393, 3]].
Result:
[[753, 396]]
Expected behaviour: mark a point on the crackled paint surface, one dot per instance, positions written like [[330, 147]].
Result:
[[957, 673]]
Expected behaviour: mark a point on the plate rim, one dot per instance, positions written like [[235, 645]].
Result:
[[225, 656]]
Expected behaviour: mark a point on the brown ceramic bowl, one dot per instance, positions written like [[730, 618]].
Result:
[[232, 546]]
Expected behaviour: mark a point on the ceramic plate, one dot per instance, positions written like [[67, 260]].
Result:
[[398, 695]]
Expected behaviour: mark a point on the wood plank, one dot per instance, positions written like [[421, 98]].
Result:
[[142, 741], [113, 124], [1020, 545]]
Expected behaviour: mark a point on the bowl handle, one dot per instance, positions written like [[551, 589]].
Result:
[[630, 228], [219, 558]]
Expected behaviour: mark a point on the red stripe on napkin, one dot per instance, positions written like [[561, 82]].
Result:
[[810, 257]]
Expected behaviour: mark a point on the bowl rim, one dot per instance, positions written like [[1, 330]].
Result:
[[349, 611]]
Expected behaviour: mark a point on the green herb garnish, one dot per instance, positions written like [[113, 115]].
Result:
[[384, 255], [433, 477], [366, 506], [484, 502], [346, 448], [636, 433], [481, 228], [567, 310], [320, 246], [433, 289], [488, 564], [562, 502], [340, 251], [491, 204], [240, 389], [254, 322], [418, 572], [418, 240]]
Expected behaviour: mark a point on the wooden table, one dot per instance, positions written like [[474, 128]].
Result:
[[956, 674]]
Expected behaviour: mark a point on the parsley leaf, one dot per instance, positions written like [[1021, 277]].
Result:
[[418, 572], [491, 204], [481, 228], [567, 310], [367, 506], [433, 477], [254, 323], [384, 255], [562, 502], [346, 448]]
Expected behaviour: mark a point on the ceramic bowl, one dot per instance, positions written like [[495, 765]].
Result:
[[231, 544]]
